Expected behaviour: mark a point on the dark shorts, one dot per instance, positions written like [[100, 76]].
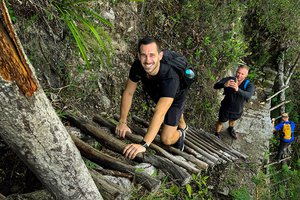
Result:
[[173, 115], [224, 116]]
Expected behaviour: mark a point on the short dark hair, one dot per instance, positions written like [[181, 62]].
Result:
[[148, 40]]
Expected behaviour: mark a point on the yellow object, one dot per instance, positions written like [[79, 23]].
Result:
[[287, 130]]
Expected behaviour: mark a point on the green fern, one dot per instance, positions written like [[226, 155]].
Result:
[[79, 19]]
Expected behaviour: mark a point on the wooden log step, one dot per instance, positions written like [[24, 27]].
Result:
[[204, 146], [157, 146], [137, 139], [198, 155], [149, 182], [178, 174], [115, 173], [193, 137], [201, 163], [219, 142]]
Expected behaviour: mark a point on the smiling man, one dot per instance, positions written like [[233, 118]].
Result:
[[237, 90], [162, 84]]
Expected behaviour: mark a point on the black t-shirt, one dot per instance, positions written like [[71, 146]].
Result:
[[233, 102], [165, 84]]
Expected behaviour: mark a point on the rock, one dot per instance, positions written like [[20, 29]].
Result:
[[109, 15], [224, 191], [147, 168], [105, 102], [122, 182]]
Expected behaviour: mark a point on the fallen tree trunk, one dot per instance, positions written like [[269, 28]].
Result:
[[107, 161], [108, 190], [117, 145]]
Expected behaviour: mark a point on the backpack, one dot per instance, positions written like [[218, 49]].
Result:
[[287, 131], [180, 65], [246, 83]]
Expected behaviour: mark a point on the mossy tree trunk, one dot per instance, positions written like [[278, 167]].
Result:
[[30, 126], [281, 81]]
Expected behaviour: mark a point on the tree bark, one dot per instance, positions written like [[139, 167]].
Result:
[[30, 126], [281, 81]]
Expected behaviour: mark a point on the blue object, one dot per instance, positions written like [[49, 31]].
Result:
[[189, 74], [246, 83]]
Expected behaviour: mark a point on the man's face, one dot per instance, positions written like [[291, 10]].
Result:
[[150, 58], [241, 74], [285, 119]]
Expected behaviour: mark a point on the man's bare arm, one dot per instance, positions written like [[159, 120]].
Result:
[[126, 102]]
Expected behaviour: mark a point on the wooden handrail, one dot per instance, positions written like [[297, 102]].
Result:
[[269, 98], [282, 103]]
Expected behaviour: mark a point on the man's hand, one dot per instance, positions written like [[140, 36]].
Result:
[[131, 150], [121, 130], [231, 83]]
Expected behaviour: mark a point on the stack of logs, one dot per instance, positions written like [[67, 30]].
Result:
[[201, 148]]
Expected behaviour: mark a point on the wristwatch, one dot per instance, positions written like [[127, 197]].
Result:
[[144, 144]]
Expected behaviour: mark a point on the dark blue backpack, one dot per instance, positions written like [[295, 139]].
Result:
[[180, 64]]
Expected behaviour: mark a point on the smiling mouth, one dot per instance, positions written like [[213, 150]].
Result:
[[148, 66]]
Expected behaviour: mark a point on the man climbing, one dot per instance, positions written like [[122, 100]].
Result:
[[162, 84], [237, 90], [286, 128]]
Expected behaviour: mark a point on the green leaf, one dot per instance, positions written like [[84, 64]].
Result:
[[104, 21], [189, 189]]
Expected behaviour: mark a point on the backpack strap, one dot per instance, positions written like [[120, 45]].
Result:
[[246, 84]]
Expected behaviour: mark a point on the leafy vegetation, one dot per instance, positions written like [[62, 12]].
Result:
[[215, 36], [280, 181], [197, 189], [81, 22], [10, 11]]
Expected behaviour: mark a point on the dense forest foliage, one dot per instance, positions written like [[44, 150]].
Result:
[[216, 36]]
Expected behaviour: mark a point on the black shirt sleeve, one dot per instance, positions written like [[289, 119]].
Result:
[[220, 84], [248, 92]]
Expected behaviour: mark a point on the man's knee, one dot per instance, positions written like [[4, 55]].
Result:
[[166, 139], [169, 135], [219, 123]]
